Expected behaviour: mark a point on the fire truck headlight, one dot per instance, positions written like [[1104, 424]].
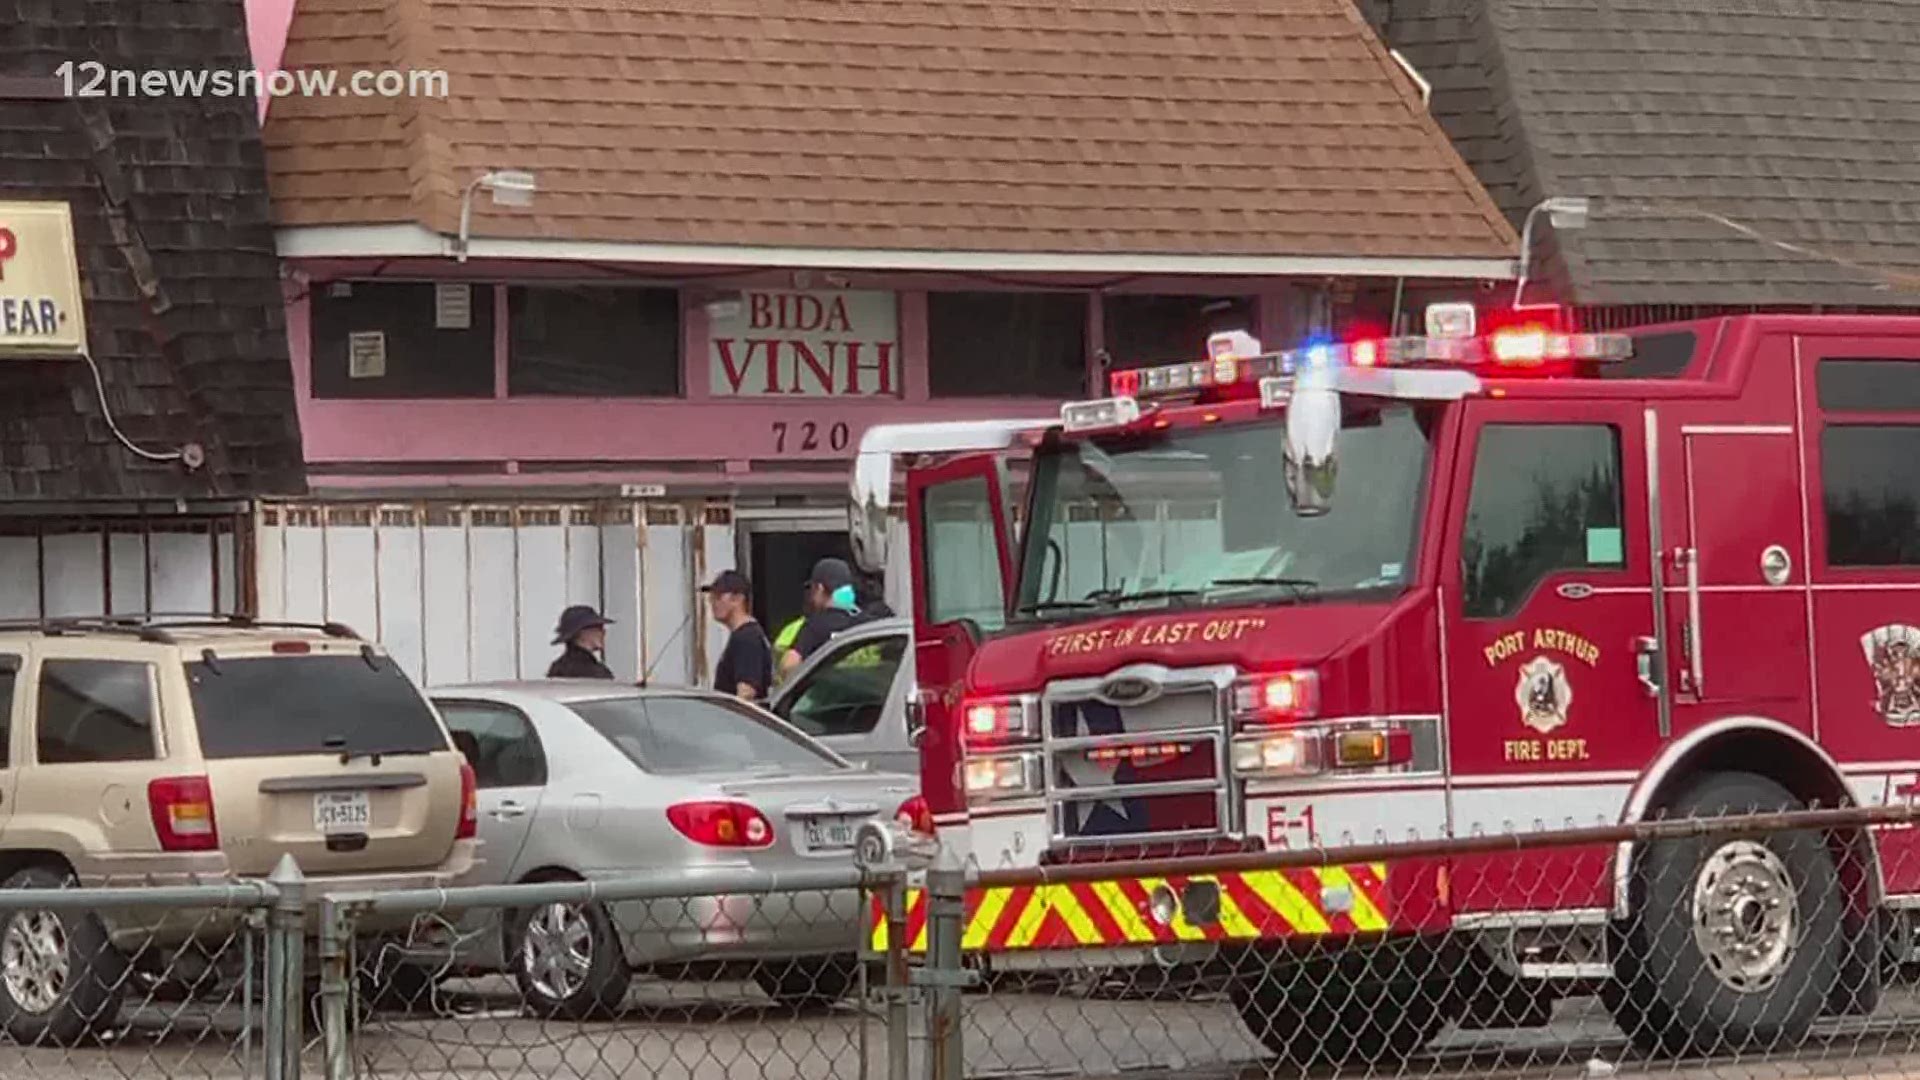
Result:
[[1005, 777], [1000, 720], [1289, 753], [1277, 697]]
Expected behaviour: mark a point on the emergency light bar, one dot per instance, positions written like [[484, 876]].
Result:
[[1235, 359]]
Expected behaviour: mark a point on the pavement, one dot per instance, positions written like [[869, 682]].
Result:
[[729, 1032]]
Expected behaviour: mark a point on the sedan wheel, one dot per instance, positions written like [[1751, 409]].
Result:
[[570, 962]]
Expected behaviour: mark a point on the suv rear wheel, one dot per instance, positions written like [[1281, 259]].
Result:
[[60, 978]]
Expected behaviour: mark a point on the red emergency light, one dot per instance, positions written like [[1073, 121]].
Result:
[[1524, 340]]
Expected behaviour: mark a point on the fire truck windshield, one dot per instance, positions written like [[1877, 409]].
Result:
[[1192, 516]]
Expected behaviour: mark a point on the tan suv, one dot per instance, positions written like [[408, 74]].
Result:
[[179, 751]]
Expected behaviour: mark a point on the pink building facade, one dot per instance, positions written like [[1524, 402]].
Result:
[[660, 363]]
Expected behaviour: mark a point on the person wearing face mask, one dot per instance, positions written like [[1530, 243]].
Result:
[[831, 608]]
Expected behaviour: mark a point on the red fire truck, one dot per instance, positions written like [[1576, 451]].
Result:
[[1493, 578]]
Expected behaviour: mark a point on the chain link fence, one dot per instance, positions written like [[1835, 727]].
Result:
[[1765, 944]]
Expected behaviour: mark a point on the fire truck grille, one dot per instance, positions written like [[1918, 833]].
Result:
[[1146, 772]]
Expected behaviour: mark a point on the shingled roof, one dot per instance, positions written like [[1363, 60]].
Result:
[[1708, 135], [184, 311], [1109, 126]]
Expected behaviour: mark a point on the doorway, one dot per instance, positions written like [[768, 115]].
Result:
[[779, 559]]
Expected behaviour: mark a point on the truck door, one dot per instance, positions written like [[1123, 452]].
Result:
[[1547, 608], [1736, 564], [962, 564], [1861, 436]]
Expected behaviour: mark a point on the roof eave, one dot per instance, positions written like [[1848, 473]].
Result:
[[395, 241]]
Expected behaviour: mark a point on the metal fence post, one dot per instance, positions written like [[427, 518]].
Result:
[[336, 987], [944, 977], [286, 983], [899, 987]]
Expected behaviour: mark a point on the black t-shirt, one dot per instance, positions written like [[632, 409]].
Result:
[[820, 626], [748, 658]]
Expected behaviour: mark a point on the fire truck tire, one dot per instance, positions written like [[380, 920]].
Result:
[[1734, 943], [1362, 1005]]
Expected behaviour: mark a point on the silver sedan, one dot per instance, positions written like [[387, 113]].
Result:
[[585, 780]]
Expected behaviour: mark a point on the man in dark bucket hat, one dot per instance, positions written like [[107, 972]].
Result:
[[584, 632]]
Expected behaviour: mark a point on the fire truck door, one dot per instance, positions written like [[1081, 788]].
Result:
[[962, 564], [1735, 578], [1548, 617]]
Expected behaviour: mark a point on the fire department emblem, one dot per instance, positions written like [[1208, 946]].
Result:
[[1893, 652], [1544, 695]]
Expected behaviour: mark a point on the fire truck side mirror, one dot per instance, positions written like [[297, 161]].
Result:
[[1313, 433]]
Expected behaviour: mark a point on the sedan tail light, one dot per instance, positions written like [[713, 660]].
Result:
[[469, 804], [721, 824], [182, 809], [916, 815]]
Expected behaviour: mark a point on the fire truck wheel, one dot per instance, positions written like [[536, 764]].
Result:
[[1363, 1005], [1735, 942]]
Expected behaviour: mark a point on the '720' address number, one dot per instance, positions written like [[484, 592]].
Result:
[[806, 436]]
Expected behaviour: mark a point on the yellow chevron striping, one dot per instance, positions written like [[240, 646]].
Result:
[[1365, 915], [1232, 919], [1121, 909], [985, 917], [1286, 901]]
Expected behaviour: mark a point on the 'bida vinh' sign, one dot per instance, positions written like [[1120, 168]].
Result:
[[778, 343]]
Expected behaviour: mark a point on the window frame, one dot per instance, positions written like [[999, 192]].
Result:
[[725, 703], [443, 705], [837, 649], [155, 719], [13, 669], [1815, 421], [1629, 479]]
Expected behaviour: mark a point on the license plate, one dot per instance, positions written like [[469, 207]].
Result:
[[827, 834], [336, 812]]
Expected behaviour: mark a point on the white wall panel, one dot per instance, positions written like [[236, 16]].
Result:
[[397, 563], [19, 577], [495, 626], [75, 584], [445, 581], [182, 568], [129, 570], [353, 583]]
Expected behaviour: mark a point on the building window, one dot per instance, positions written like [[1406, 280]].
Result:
[[94, 710], [593, 341], [1872, 494], [1007, 344], [383, 340], [1145, 330], [1546, 497]]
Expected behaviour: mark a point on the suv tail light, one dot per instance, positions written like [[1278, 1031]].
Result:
[[182, 809], [469, 804], [916, 815], [721, 824]]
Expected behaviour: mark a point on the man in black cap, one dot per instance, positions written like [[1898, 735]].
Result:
[[831, 608], [745, 668], [584, 632]]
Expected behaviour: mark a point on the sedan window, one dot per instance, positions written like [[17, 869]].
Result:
[[499, 743], [668, 734], [847, 692]]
